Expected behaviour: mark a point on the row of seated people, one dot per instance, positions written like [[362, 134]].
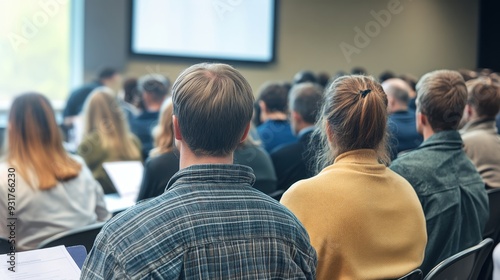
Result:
[[356, 218]]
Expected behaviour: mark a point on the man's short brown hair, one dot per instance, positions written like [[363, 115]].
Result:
[[484, 96], [213, 104], [441, 97]]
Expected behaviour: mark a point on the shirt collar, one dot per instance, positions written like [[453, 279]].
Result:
[[305, 131], [483, 124], [363, 156], [448, 137], [213, 173]]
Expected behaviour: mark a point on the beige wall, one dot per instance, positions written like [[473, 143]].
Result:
[[424, 35]]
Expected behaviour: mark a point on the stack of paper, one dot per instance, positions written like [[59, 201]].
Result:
[[44, 264]]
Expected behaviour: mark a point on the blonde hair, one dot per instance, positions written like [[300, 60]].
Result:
[[104, 118], [353, 116], [213, 104], [163, 133], [34, 143]]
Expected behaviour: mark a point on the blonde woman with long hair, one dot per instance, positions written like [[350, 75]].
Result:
[[47, 190], [107, 136]]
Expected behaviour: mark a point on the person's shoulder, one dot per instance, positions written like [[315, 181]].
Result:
[[286, 150]]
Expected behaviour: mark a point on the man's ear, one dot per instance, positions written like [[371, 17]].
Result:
[[262, 106], [177, 130], [296, 117], [245, 133]]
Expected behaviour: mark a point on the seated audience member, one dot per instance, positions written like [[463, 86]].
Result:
[[54, 191], [412, 94], [108, 77], [304, 77], [132, 100], [293, 162], [210, 223], [359, 71], [164, 159], [106, 136], [154, 90], [249, 153], [450, 189], [275, 129], [323, 79], [480, 135], [364, 220], [386, 75], [402, 123]]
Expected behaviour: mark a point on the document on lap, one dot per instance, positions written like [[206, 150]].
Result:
[[43, 264]]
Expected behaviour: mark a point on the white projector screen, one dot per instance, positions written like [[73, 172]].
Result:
[[238, 30]]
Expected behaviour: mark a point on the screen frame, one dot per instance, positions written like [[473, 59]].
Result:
[[180, 58]]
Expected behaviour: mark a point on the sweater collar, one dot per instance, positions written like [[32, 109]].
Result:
[[361, 156]]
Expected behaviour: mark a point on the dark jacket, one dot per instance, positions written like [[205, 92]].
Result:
[[451, 192], [403, 132], [293, 162]]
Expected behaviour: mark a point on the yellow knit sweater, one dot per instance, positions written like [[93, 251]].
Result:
[[364, 220]]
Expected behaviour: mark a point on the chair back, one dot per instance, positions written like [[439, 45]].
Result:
[[464, 265], [4, 246], [414, 275], [82, 236], [492, 228]]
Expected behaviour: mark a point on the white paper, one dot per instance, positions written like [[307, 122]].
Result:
[[126, 177], [114, 203], [43, 264]]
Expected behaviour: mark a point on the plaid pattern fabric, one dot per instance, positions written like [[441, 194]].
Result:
[[209, 224]]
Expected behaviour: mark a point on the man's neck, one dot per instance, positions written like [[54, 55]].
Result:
[[427, 132], [274, 116], [154, 107], [399, 108], [188, 158]]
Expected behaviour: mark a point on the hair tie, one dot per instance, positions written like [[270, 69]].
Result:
[[364, 92]]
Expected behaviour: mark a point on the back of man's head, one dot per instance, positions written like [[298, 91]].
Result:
[[157, 86], [397, 92], [305, 77], [484, 97], [106, 73], [274, 96], [441, 97], [305, 99], [213, 104]]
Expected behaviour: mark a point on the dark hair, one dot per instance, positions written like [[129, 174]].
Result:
[[355, 112], [323, 79], [359, 71], [213, 104], [386, 75], [305, 99], [441, 97], [130, 90], [106, 73], [305, 77], [156, 88], [275, 96], [484, 96]]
